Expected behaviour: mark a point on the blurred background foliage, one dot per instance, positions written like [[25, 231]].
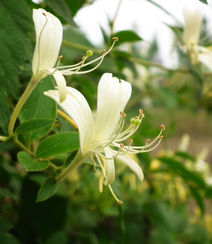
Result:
[[173, 203]]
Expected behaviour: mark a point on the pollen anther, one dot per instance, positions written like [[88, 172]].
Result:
[[162, 127], [115, 39], [148, 140]]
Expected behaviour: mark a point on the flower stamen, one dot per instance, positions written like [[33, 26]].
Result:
[[103, 175], [74, 69], [115, 197]]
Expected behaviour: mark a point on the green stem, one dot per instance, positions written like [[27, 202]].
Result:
[[78, 160], [149, 64], [32, 84], [121, 224], [115, 16], [23, 147]]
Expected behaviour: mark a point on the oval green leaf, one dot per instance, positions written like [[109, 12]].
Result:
[[58, 144], [34, 124], [47, 189], [30, 164], [126, 36]]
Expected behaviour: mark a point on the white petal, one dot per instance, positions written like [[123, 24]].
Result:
[[205, 57], [110, 167], [132, 165], [61, 84], [193, 16], [76, 106], [48, 40], [113, 96]]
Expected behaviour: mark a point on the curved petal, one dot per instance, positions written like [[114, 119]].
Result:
[[76, 106], [132, 165], [205, 57], [193, 16], [61, 84], [113, 96], [49, 33], [110, 167]]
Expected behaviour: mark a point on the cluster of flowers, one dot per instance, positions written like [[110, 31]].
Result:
[[102, 136]]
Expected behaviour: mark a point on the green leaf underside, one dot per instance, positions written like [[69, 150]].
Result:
[[15, 27], [30, 164], [127, 36], [39, 106], [47, 189], [34, 124], [58, 144]]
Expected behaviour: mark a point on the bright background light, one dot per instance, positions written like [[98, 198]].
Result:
[[146, 19]]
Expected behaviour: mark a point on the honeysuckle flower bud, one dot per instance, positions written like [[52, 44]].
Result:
[[102, 136]]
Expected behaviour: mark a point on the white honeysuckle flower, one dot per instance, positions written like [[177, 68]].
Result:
[[102, 136], [49, 34], [193, 17]]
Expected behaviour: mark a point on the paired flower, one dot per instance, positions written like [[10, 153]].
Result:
[[102, 137], [49, 34], [193, 18]]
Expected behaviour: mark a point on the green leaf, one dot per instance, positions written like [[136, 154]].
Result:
[[126, 36], [4, 113], [185, 156], [34, 124], [199, 199], [204, 1], [76, 5], [122, 60], [176, 30], [39, 106], [30, 164], [58, 144], [209, 192], [6, 224], [15, 27], [47, 189], [70, 158], [62, 9], [6, 238], [57, 237]]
